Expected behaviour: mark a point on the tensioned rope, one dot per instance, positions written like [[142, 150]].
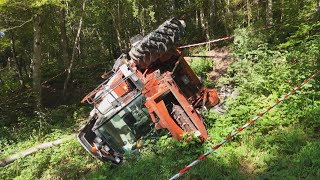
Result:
[[213, 57], [202, 157], [218, 40], [208, 42]]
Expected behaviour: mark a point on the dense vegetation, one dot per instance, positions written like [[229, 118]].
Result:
[[53, 52]]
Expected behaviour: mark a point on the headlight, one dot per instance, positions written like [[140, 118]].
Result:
[[117, 159]]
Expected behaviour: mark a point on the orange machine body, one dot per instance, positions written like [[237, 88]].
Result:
[[168, 95]]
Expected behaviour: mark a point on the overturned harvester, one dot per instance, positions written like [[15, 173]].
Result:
[[153, 88]]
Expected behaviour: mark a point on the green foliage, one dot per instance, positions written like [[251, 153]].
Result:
[[39, 3], [3, 2], [201, 66], [4, 44], [263, 75], [9, 85], [245, 41], [305, 33], [303, 164]]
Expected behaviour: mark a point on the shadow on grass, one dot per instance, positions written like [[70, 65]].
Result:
[[297, 154], [302, 164], [153, 167]]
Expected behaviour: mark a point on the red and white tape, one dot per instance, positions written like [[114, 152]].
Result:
[[202, 157]]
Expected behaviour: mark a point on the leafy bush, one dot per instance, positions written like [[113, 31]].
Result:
[[202, 66], [246, 40]]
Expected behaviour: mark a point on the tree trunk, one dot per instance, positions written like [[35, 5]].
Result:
[[318, 8], [198, 23], [318, 11], [27, 67], [36, 64], [102, 46], [1, 81], [301, 4], [203, 24], [226, 18], [9, 60], [63, 38], [269, 14], [282, 8], [210, 17], [12, 158], [143, 26], [228, 6], [206, 14], [116, 27], [74, 50], [14, 58], [249, 13]]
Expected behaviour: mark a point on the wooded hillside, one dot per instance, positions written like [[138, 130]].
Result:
[[53, 52]]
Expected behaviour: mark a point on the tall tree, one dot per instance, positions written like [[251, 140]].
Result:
[[14, 57], [269, 14], [74, 50], [63, 37], [36, 61]]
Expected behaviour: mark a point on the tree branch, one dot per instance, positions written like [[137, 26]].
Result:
[[15, 27]]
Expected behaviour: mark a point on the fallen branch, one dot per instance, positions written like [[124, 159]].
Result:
[[10, 159]]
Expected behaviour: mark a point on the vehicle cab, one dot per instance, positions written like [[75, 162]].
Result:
[[119, 117]]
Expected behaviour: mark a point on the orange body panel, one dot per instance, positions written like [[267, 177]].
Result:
[[173, 93], [162, 84], [120, 89]]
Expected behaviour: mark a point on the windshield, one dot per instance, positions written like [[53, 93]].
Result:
[[128, 125]]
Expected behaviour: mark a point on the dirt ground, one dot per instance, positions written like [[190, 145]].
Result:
[[221, 64], [222, 61]]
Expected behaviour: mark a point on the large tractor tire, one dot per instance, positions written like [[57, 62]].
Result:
[[158, 42]]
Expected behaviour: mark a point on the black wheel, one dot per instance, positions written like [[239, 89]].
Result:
[[158, 42]]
